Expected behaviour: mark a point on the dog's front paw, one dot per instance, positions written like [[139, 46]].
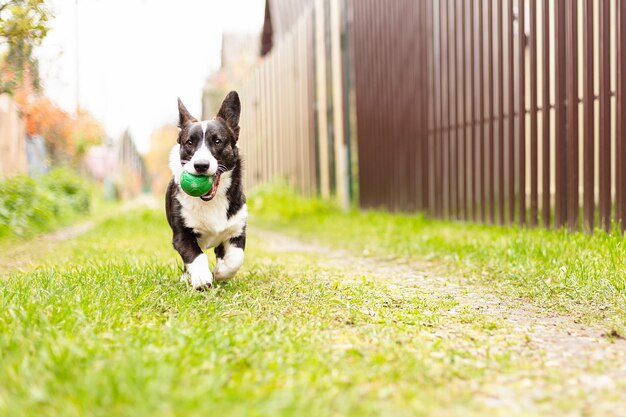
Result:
[[199, 274], [227, 267], [219, 272], [201, 281]]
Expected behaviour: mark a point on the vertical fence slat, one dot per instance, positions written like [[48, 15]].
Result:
[[454, 138], [416, 161], [425, 126], [546, 183], [418, 149], [321, 99], [572, 118], [362, 95], [621, 138], [605, 117], [460, 16], [382, 68], [445, 145], [434, 135], [522, 115], [463, 121], [618, 120], [379, 69], [341, 162], [442, 134], [560, 215], [533, 114], [412, 46], [588, 111], [511, 136], [389, 37], [472, 143], [307, 125], [490, 114], [447, 127], [500, 158], [481, 111]]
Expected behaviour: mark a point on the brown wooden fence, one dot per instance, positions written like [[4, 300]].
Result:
[[388, 42], [497, 111], [501, 111]]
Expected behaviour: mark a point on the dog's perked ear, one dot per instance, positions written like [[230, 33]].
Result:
[[230, 110], [184, 117]]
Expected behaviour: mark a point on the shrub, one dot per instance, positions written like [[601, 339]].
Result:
[[30, 205]]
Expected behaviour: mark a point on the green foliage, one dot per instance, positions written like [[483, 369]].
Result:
[[23, 21], [23, 25], [72, 189], [31, 205], [278, 202]]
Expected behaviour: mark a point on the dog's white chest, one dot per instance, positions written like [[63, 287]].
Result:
[[209, 219]]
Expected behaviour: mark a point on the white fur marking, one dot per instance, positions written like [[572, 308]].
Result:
[[205, 124], [209, 218], [227, 268], [175, 165], [199, 272], [202, 153]]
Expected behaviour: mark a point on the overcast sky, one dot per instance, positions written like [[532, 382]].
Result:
[[135, 57]]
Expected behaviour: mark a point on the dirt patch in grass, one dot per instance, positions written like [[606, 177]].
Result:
[[21, 254]]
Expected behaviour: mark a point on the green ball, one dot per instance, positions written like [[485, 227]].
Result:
[[195, 185]]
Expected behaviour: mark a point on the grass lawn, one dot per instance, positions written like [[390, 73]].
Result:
[[571, 273], [101, 326]]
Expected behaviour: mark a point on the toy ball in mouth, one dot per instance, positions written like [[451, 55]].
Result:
[[195, 185]]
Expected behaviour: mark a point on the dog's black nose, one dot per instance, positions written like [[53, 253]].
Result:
[[201, 165]]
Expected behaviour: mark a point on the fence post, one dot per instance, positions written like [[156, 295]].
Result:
[[605, 116], [546, 183], [341, 151], [621, 115], [321, 99], [572, 118]]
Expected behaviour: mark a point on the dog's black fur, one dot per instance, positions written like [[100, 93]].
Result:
[[218, 218]]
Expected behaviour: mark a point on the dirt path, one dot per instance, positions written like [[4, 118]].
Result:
[[23, 254], [20, 255], [590, 362]]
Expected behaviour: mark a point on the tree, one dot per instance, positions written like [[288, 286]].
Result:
[[23, 25]]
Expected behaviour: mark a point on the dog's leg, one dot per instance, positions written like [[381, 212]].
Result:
[[184, 240], [229, 257], [196, 261], [199, 272]]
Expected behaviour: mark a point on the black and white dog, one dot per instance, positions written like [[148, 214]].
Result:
[[218, 218]]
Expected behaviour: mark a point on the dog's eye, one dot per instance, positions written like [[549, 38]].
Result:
[[217, 141], [189, 142]]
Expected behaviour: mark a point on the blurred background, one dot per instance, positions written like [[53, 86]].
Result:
[[496, 111]]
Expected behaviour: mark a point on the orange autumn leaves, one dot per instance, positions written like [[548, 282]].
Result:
[[68, 136]]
